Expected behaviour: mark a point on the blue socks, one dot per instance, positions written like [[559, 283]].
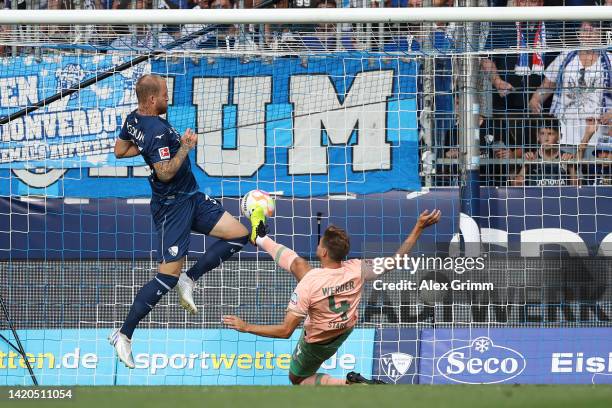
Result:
[[146, 299], [218, 253], [156, 288]]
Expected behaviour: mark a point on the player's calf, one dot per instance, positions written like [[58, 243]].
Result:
[[146, 298], [226, 228], [218, 253]]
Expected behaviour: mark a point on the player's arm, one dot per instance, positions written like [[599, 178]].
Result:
[[279, 331], [125, 148], [165, 170], [426, 219]]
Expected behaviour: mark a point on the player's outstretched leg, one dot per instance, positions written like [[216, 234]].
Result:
[[146, 298], [232, 238], [258, 225], [284, 257]]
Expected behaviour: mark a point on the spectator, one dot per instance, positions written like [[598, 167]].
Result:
[[176, 4], [222, 35], [140, 37], [60, 5], [515, 76], [286, 36], [581, 84], [100, 4], [21, 4], [189, 29], [401, 36], [324, 36], [443, 42], [56, 32], [600, 172], [174, 31], [5, 50], [496, 143], [545, 166]]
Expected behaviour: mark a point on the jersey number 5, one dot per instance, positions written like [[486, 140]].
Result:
[[342, 309]]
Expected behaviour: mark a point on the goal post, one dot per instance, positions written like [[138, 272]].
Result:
[[307, 16], [324, 109]]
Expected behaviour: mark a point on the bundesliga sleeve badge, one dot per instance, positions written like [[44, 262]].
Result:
[[164, 152]]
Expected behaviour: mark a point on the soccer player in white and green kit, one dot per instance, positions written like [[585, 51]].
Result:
[[327, 298]]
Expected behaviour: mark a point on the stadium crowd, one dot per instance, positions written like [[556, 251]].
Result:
[[545, 116]]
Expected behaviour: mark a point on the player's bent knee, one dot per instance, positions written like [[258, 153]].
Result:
[[300, 267], [297, 265], [172, 268], [228, 227]]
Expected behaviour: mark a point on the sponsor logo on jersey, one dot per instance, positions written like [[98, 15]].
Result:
[[294, 298], [164, 152]]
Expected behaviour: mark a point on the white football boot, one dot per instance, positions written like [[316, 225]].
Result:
[[185, 293], [123, 347]]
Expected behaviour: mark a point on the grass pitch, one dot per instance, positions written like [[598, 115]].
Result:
[[451, 396]]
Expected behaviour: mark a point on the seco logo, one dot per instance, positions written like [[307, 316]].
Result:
[[482, 362]]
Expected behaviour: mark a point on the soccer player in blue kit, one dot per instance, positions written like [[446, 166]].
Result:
[[177, 208]]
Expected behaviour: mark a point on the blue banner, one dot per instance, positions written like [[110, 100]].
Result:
[[516, 356], [77, 131], [334, 124], [169, 357], [395, 355]]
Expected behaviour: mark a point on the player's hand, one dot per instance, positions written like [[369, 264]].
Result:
[[189, 139], [236, 323], [427, 219]]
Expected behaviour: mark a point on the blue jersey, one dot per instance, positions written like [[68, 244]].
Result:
[[157, 141]]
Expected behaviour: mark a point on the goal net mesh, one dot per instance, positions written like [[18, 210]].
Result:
[[358, 125]]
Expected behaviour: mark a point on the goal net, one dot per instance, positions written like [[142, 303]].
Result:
[[502, 125]]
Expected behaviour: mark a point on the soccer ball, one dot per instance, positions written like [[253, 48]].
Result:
[[254, 199]]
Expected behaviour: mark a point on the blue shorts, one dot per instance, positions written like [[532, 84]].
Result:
[[174, 223]]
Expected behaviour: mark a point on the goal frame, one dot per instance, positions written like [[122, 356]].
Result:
[[290, 16]]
